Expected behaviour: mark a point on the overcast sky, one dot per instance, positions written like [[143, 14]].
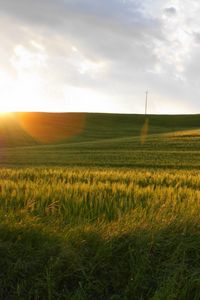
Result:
[[100, 55]]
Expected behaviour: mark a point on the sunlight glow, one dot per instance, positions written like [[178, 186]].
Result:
[[23, 93], [21, 86], [27, 86]]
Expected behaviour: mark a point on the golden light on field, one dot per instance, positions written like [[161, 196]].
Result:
[[48, 127], [144, 131]]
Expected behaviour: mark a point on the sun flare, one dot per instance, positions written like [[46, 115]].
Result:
[[5, 113]]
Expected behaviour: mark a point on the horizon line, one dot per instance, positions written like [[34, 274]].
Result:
[[93, 112]]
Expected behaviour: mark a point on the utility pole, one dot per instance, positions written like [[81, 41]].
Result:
[[146, 102]]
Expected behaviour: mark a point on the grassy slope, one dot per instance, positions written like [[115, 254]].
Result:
[[12, 134], [101, 140], [33, 128]]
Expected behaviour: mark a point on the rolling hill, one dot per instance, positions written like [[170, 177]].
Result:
[[27, 129], [79, 139]]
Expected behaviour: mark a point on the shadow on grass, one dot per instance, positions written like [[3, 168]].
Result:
[[142, 264]]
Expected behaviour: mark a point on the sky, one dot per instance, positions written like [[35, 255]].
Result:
[[100, 55]]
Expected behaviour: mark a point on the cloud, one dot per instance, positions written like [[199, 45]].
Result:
[[196, 36], [170, 11], [112, 49]]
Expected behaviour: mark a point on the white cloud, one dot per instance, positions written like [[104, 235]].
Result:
[[108, 51]]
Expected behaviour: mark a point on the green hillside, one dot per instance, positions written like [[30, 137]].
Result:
[[121, 125], [44, 139], [12, 134], [27, 129]]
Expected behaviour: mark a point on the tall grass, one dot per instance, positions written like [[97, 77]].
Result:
[[99, 234]]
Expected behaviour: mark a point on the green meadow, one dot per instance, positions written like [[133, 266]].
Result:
[[99, 206], [100, 140]]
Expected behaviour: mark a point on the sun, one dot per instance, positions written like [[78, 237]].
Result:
[[23, 93], [23, 86], [5, 115]]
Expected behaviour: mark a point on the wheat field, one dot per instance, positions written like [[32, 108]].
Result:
[[82, 233]]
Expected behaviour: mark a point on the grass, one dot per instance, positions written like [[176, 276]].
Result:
[[105, 214], [158, 150], [104, 234], [103, 140], [29, 129]]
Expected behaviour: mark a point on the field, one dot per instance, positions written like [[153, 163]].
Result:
[[104, 208], [103, 140]]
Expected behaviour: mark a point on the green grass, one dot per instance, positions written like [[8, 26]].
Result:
[[99, 234], [103, 140], [111, 212], [28, 129]]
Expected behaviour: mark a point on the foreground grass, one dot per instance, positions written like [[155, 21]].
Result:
[[99, 234]]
